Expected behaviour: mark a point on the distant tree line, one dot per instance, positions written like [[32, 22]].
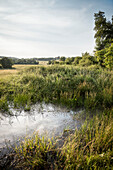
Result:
[[7, 62], [26, 61], [85, 60]]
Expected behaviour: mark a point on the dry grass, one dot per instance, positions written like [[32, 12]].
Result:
[[7, 73]]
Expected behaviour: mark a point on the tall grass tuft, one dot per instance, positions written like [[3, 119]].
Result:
[[37, 153]]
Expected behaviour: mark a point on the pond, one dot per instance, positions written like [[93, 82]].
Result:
[[46, 119]]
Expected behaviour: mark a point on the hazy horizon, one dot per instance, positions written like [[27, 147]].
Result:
[[49, 28]]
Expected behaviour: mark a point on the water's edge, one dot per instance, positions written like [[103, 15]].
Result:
[[46, 119]]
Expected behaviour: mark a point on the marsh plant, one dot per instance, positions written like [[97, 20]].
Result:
[[72, 86]]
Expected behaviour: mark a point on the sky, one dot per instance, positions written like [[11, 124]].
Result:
[[49, 28]]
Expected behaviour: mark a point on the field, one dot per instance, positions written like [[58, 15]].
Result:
[[17, 68], [90, 147], [11, 72]]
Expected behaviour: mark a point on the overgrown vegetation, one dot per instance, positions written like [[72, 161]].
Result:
[[74, 87], [90, 147]]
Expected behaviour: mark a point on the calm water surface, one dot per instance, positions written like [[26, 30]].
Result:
[[42, 118]]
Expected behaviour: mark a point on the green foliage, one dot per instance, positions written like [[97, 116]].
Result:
[[56, 62], [100, 56], [87, 60], [76, 60], [69, 60], [6, 62], [4, 104], [26, 61], [105, 57], [85, 55], [104, 31], [109, 57], [62, 58], [62, 62]]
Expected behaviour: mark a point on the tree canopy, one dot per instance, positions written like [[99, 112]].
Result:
[[104, 40], [104, 31], [6, 62]]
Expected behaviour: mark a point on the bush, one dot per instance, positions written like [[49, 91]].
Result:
[[85, 62], [69, 60], [76, 60], [6, 62], [62, 58]]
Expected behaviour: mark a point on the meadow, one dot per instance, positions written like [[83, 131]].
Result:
[[91, 88], [88, 87]]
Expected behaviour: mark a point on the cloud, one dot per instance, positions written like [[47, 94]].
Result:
[[46, 27]]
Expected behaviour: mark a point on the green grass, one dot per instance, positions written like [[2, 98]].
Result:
[[74, 87], [35, 152]]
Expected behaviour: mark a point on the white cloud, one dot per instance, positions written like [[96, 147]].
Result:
[[45, 27], [45, 19]]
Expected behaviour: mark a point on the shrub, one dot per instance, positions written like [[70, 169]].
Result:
[[76, 60], [6, 62]]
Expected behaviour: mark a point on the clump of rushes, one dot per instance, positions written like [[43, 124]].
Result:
[[37, 153], [91, 147]]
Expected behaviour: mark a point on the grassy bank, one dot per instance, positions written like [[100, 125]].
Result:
[[74, 87], [90, 147]]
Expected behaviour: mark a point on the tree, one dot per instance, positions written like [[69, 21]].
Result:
[[6, 62], [85, 55], [87, 59], [104, 31]]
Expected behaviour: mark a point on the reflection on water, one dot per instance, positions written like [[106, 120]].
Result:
[[42, 118]]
